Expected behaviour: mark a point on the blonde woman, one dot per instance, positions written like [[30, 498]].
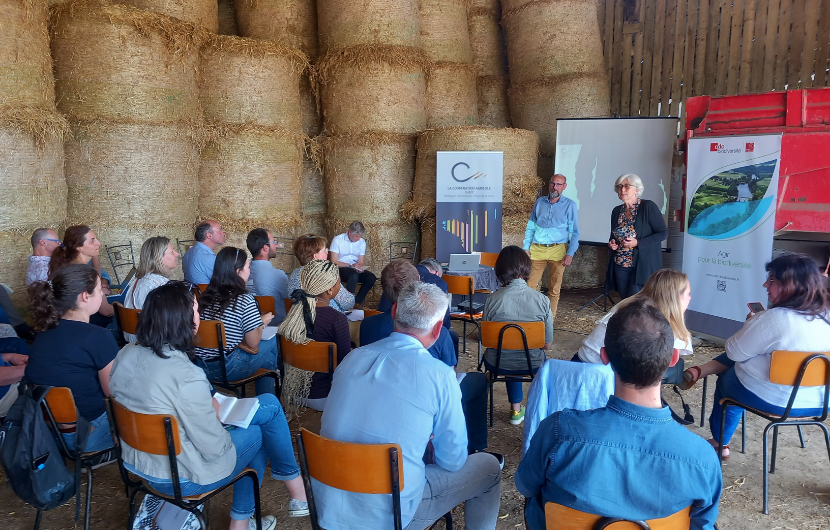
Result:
[[157, 260]]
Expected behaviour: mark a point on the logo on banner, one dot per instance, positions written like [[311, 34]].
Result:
[[750, 147], [714, 146], [476, 175]]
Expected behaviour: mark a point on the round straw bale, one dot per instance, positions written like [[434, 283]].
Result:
[[120, 63], [548, 38], [312, 120], [536, 106], [373, 88], [368, 176], [428, 237], [444, 32], [313, 189], [487, 42], [493, 110], [203, 13], [378, 237], [492, 5], [452, 100], [345, 23], [250, 177], [25, 63], [13, 261], [227, 18], [249, 81], [292, 23]]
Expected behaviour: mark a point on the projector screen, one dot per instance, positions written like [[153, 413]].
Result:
[[592, 153]]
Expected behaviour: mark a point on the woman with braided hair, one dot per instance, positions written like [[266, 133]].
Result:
[[312, 318]]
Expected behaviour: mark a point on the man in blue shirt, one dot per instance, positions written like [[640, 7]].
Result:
[[629, 459], [394, 391], [198, 261], [265, 278], [552, 237]]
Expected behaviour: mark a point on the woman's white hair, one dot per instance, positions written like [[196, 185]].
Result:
[[420, 306], [632, 179]]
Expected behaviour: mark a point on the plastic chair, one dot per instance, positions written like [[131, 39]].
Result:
[[558, 517], [266, 304], [287, 302], [464, 286], [796, 369], [312, 357], [371, 312], [527, 335], [61, 415], [121, 258], [158, 434], [126, 319], [211, 335], [489, 258], [202, 287]]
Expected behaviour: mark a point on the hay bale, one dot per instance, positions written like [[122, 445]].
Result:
[[346, 23], [120, 63], [310, 105], [492, 5], [227, 18], [493, 110], [313, 189], [250, 177], [487, 42], [204, 13], [536, 106], [292, 23], [444, 33], [248, 81], [378, 237], [25, 63], [549, 38], [451, 98], [373, 88]]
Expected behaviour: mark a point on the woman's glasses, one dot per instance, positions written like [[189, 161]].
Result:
[[625, 187]]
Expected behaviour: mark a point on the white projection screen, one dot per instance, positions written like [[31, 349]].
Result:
[[592, 153]]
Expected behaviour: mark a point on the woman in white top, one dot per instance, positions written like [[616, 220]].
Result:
[[157, 260], [798, 320]]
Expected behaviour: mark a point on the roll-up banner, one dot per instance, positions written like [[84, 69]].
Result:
[[468, 202], [731, 189]]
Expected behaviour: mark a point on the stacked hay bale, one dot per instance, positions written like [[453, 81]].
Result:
[[126, 80], [556, 64], [202, 13], [227, 18], [487, 41], [520, 149], [451, 98], [31, 139], [251, 166]]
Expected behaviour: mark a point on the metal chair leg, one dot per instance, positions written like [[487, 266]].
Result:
[[703, 400], [774, 447], [720, 435], [766, 474], [743, 432], [801, 436], [37, 519], [88, 495], [826, 437]]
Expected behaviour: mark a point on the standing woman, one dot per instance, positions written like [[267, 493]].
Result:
[[637, 229], [158, 259]]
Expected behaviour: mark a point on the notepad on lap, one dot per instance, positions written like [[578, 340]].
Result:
[[235, 411]]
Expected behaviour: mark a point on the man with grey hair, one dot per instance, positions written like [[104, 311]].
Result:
[[348, 251], [415, 401], [44, 243]]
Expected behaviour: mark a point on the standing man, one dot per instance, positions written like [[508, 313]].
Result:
[[347, 252], [44, 242], [198, 261], [267, 280], [552, 237]]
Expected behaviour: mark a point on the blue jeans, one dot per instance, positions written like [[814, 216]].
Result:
[[515, 394], [267, 438], [99, 439], [241, 364]]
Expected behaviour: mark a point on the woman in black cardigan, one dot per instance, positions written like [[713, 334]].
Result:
[[637, 229]]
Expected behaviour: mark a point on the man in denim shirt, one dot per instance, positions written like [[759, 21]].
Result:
[[628, 459]]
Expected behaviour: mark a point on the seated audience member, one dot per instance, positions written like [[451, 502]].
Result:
[[414, 398], [44, 243], [306, 248], [226, 299], [81, 246], [156, 375], [71, 352], [9, 315], [607, 461], [12, 367], [516, 302], [198, 261], [157, 261], [347, 252], [430, 271], [394, 278], [798, 319], [312, 318], [267, 280]]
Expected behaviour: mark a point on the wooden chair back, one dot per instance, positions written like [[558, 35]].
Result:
[[62, 404], [127, 318], [461, 285], [202, 287], [512, 339], [785, 366], [267, 304], [371, 312], [489, 258], [313, 357], [211, 335], [144, 432], [558, 517], [287, 302]]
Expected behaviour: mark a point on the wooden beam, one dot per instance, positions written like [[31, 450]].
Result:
[[619, 57], [810, 42], [608, 45], [637, 72], [668, 56], [771, 49], [747, 44], [757, 68], [794, 64], [782, 54], [700, 51], [678, 56], [723, 46], [732, 70], [822, 44], [649, 17], [657, 69]]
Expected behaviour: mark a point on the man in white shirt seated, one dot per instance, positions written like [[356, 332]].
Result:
[[394, 391], [347, 251], [44, 242], [265, 279]]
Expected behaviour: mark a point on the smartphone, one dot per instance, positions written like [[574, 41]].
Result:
[[755, 307]]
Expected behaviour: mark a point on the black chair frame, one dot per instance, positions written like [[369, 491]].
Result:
[[118, 262], [495, 377], [236, 387], [189, 242], [743, 417]]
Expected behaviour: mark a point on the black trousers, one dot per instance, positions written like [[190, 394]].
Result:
[[624, 280], [351, 276], [474, 404]]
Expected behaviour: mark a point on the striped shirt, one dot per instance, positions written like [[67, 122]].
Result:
[[239, 318]]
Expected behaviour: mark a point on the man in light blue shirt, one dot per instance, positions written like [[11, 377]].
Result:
[[552, 237], [267, 280], [628, 460], [197, 263], [394, 391]]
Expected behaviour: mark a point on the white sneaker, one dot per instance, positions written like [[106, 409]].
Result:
[[269, 522]]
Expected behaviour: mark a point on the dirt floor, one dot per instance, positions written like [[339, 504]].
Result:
[[799, 489]]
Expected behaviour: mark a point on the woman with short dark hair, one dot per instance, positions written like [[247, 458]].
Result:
[[156, 375], [516, 302]]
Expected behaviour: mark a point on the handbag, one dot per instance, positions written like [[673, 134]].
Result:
[[157, 514]]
